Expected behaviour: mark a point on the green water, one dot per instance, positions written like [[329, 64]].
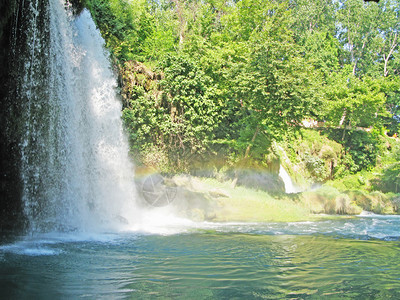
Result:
[[346, 259]]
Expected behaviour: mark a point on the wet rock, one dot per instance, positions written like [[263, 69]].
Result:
[[219, 193]]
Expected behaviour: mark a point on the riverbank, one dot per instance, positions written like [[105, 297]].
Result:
[[208, 199], [212, 200]]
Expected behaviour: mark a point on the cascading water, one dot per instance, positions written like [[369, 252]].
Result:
[[75, 167], [290, 188]]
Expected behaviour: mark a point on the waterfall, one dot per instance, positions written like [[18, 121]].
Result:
[[290, 188], [75, 169]]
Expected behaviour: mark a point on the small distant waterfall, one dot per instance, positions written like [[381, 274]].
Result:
[[76, 173], [290, 188]]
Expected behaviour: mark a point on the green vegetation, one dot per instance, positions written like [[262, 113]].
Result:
[[225, 85]]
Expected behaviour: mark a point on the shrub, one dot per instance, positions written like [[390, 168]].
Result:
[[316, 167]]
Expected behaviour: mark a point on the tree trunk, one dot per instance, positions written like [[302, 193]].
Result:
[[246, 154], [386, 59], [182, 22], [343, 118], [354, 68], [344, 133]]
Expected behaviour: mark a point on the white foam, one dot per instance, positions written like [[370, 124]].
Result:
[[29, 248]]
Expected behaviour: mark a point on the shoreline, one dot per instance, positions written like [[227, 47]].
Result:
[[207, 199]]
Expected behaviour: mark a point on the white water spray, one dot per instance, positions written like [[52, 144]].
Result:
[[290, 188], [75, 168]]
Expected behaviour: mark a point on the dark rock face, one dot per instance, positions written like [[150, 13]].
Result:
[[10, 183], [24, 30], [263, 181]]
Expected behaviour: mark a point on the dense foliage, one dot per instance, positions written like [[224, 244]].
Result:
[[220, 81]]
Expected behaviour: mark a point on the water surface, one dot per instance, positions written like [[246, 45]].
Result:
[[348, 258]]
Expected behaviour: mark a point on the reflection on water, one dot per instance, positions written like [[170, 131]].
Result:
[[350, 258]]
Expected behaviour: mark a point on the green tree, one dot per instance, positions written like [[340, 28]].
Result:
[[312, 16], [269, 77], [387, 40], [357, 25], [243, 73], [354, 102]]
